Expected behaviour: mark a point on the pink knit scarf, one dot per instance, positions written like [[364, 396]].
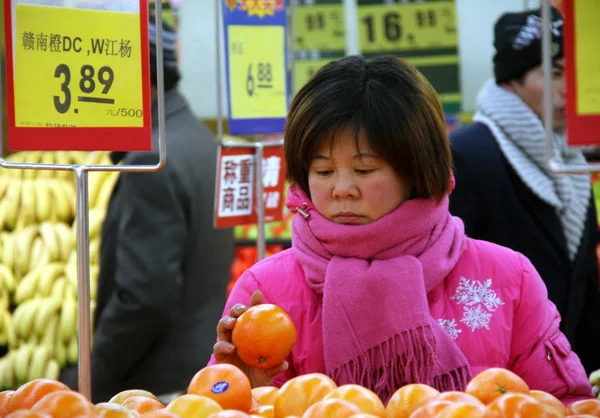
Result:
[[374, 280]]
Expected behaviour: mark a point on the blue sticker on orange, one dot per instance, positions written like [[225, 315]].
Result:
[[219, 387]]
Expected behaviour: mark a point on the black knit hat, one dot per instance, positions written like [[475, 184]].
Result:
[[169, 41], [518, 42]]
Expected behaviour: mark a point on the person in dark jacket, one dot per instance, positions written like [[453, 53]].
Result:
[[164, 269], [504, 192]]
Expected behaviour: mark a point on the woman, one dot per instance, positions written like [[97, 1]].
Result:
[[381, 282]]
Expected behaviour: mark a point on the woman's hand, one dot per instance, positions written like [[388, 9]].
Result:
[[225, 351]]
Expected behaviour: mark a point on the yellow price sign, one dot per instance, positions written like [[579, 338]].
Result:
[[587, 60], [305, 69], [319, 26], [257, 71], [77, 68], [408, 26]]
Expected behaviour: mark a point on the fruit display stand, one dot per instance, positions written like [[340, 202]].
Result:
[[38, 262]]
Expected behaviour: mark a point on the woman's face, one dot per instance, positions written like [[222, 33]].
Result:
[[351, 186]]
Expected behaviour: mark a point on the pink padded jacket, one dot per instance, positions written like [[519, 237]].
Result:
[[493, 304]]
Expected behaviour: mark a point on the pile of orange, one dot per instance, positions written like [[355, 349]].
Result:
[[224, 391]]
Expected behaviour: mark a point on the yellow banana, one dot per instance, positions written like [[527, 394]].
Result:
[[44, 201], [4, 366], [3, 328], [50, 333], [65, 240], [28, 286], [50, 307], [62, 157], [48, 276], [95, 250], [8, 251], [39, 255], [23, 249], [68, 319], [13, 198], [52, 370], [4, 180], [3, 213], [39, 361], [9, 329], [59, 288], [7, 279], [96, 179], [70, 195], [96, 219], [28, 318], [73, 351], [28, 199], [595, 378], [4, 300], [94, 271], [60, 352], [106, 190], [46, 158], [22, 361], [60, 201], [50, 240], [7, 373]]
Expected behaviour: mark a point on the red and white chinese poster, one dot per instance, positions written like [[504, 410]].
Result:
[[235, 200]]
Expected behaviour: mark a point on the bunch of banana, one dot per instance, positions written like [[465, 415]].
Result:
[[595, 382], [25, 202], [7, 330], [36, 246], [8, 284], [100, 188], [27, 363]]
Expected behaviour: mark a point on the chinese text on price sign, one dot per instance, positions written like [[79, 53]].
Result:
[[236, 193], [79, 69], [320, 37], [256, 57]]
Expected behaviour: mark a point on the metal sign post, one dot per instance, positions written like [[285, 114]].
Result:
[[550, 150], [82, 215]]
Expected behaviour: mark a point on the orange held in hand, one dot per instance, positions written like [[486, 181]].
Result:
[[495, 382], [224, 383], [263, 336]]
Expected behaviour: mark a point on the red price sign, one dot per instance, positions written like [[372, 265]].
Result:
[[77, 79], [235, 200], [582, 71]]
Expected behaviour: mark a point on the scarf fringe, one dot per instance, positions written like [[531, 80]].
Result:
[[456, 380], [389, 370]]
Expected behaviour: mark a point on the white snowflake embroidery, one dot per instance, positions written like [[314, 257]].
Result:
[[473, 292], [450, 326], [476, 317]]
